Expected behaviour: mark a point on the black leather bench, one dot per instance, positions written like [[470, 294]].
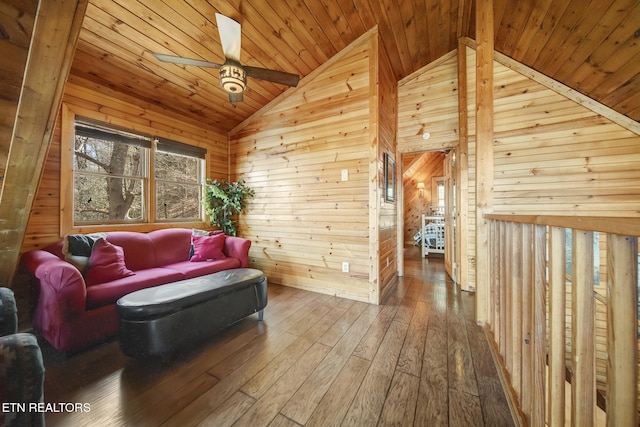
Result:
[[164, 319]]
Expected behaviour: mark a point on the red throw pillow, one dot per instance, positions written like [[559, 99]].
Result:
[[208, 248], [106, 263]]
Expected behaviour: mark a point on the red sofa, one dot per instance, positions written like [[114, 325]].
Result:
[[71, 314]]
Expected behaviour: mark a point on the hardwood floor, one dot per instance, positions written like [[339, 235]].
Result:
[[316, 360]]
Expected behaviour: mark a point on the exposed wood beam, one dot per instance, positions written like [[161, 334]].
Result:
[[484, 150], [53, 43], [462, 174]]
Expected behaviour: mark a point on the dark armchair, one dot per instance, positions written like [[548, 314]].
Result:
[[21, 369]]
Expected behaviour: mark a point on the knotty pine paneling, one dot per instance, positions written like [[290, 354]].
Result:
[[44, 221], [304, 220], [554, 156], [387, 117], [471, 168], [428, 102]]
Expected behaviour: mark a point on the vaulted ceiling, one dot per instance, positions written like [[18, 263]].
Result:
[[589, 45]]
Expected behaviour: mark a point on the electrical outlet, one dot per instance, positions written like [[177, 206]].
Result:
[[345, 267], [345, 174]]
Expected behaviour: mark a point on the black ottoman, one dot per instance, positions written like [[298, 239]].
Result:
[[164, 319]]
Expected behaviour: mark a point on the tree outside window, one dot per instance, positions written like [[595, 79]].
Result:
[[112, 183]]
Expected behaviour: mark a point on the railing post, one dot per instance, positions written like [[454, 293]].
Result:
[[583, 358], [622, 316], [557, 334]]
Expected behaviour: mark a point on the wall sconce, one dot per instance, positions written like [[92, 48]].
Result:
[[421, 189]]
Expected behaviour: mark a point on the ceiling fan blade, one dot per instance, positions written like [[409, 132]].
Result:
[[272, 75], [185, 61], [229, 36]]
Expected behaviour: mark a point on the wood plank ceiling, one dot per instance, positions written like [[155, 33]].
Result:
[[589, 45]]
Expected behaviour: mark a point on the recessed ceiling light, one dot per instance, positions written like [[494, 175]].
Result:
[[426, 135]]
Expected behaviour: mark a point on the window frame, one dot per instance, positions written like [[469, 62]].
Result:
[[179, 149], [67, 226]]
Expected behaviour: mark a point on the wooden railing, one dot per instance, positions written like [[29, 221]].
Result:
[[540, 351]]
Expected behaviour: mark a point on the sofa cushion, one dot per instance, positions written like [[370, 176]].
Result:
[[109, 292], [139, 250], [208, 247], [106, 263], [77, 248], [171, 244], [195, 269]]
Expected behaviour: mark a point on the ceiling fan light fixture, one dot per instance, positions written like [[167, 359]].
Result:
[[233, 78]]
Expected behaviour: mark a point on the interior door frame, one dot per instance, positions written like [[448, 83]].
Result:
[[453, 256]]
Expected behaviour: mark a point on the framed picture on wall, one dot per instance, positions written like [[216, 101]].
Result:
[[389, 178]]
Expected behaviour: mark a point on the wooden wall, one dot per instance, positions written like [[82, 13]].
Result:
[[305, 221], [554, 156], [423, 169], [44, 221], [472, 248], [428, 102], [384, 114]]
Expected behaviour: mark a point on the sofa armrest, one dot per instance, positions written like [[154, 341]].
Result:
[[61, 284], [8, 312], [23, 372], [238, 247]]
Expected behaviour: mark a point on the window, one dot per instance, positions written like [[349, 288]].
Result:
[[110, 174], [121, 176], [178, 179], [437, 196]]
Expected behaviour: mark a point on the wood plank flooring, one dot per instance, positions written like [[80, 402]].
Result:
[[316, 360]]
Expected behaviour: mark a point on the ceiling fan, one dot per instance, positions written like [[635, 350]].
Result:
[[233, 75]]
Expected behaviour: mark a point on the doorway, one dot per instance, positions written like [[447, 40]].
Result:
[[429, 207]]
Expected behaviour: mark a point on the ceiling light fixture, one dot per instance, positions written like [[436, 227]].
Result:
[[233, 78]]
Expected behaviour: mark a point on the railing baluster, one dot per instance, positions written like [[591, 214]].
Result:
[[495, 280], [502, 317], [622, 315], [557, 306], [540, 322], [516, 307], [508, 300], [528, 323], [519, 271], [583, 359]]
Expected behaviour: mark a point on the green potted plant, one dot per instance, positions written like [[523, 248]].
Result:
[[223, 200]]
